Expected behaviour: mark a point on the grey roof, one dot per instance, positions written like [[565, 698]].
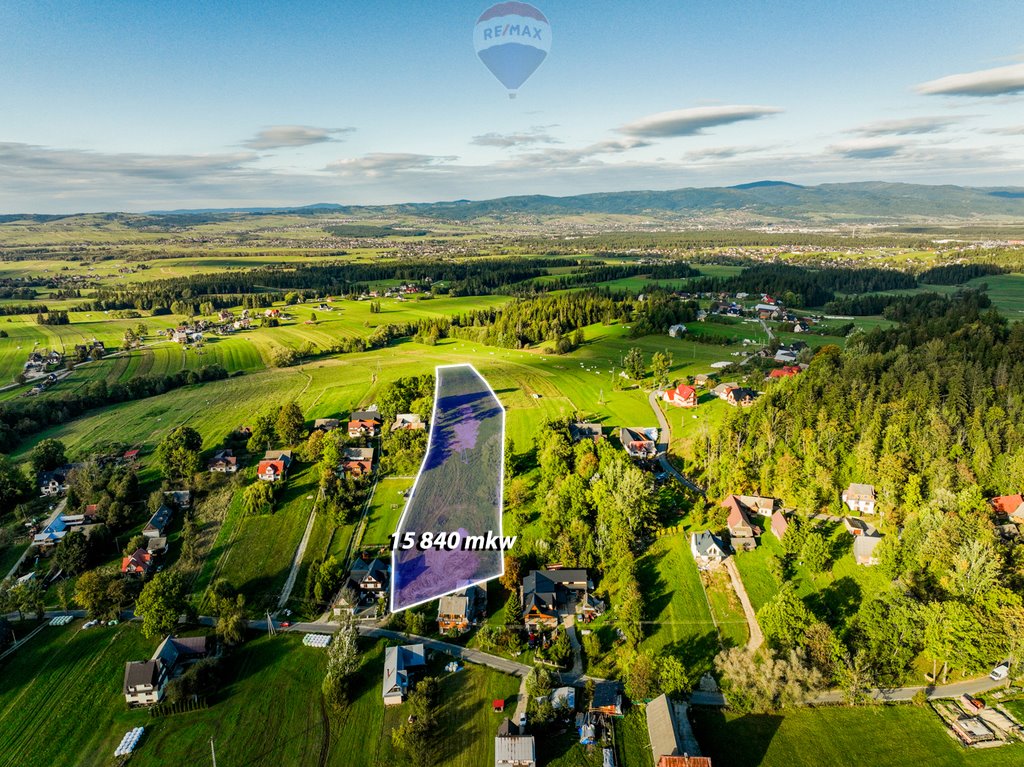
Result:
[[519, 749], [706, 542], [364, 415], [140, 672], [864, 545], [507, 728], [278, 455], [357, 453], [661, 728], [397, 662], [860, 492], [580, 431], [160, 519], [376, 569]]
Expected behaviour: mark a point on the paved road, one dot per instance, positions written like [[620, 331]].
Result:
[[665, 434], [753, 628], [955, 690]]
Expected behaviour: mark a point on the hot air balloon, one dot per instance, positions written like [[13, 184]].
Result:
[[512, 39]]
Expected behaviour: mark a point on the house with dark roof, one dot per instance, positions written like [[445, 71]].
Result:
[[158, 523], [639, 442], [548, 594], [860, 498], [399, 666], [357, 461], [741, 397], [457, 612], [326, 424], [708, 549], [364, 423], [223, 462], [55, 481], [144, 681], [722, 390], [581, 431], [607, 699], [367, 580]]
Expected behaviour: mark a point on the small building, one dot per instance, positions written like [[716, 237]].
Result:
[[580, 431], [779, 525], [722, 390], [742, 532], [547, 594], [856, 526], [681, 396], [864, 549], [223, 462], [156, 545], [860, 498], [157, 524], [512, 748], [399, 665], [408, 422], [668, 727], [563, 698], [131, 456], [357, 461], [708, 549], [677, 331], [458, 612], [1009, 506], [741, 396], [639, 442], [701, 379], [144, 681], [786, 371], [364, 423], [326, 424], [607, 699], [138, 563], [182, 499]]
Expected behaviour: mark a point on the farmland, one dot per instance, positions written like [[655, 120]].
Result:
[[883, 736]]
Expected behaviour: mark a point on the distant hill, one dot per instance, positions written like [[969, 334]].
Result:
[[750, 203]]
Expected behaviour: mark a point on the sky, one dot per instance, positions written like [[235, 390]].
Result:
[[142, 106]]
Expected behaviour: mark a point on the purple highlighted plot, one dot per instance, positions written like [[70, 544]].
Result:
[[449, 536]]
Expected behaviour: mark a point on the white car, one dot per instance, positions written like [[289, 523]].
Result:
[[89, 624], [1000, 672], [522, 723]]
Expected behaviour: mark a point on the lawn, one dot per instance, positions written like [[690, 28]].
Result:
[[680, 621], [890, 736], [71, 677], [259, 557], [385, 510]]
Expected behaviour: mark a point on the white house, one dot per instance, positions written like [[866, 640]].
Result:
[[860, 498]]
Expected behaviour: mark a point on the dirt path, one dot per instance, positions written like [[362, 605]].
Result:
[[665, 434], [289, 584], [756, 637]]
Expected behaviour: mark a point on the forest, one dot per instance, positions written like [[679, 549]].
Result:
[[929, 412]]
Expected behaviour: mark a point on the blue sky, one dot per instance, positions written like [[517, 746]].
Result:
[[135, 106]]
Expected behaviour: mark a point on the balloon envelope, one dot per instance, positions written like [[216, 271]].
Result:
[[512, 39]]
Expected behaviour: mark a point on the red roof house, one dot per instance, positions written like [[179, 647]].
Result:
[[1010, 505], [272, 470], [785, 372], [682, 396], [138, 563]]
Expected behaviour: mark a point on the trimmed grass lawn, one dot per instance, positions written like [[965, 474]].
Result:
[[70, 680], [889, 736], [385, 510], [268, 712], [676, 606], [260, 555]]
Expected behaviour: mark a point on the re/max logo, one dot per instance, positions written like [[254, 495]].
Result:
[[512, 30]]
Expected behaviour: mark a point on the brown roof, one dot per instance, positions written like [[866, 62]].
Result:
[[684, 761]]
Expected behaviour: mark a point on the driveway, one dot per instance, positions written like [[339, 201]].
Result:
[[665, 434], [753, 627]]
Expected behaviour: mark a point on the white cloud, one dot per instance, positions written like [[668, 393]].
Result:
[[693, 121], [1001, 81], [386, 163], [284, 136], [559, 157], [908, 126], [869, 148], [536, 135], [722, 152]]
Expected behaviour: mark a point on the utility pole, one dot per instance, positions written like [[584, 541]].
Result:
[[213, 753]]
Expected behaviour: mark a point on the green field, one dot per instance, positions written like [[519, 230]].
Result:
[[385, 510], [884, 736]]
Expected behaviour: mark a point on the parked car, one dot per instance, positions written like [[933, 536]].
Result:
[[1000, 672], [522, 723], [286, 624], [89, 624]]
